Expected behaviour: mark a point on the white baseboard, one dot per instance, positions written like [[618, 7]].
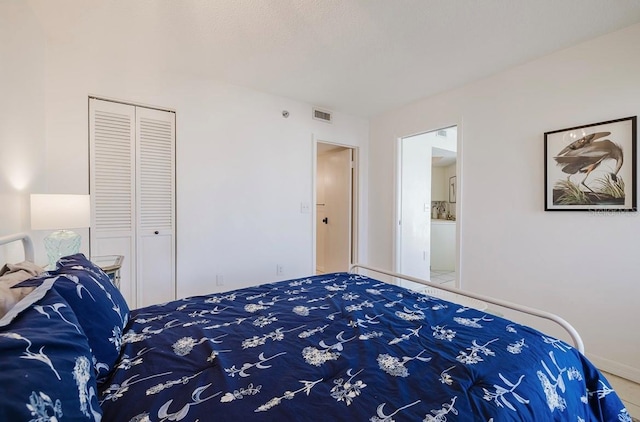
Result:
[[616, 368]]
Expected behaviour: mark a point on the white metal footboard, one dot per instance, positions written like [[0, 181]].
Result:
[[577, 340]]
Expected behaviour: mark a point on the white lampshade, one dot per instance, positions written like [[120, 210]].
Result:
[[60, 213], [55, 212]]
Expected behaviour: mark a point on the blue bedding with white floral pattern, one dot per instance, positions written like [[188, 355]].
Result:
[[342, 347]]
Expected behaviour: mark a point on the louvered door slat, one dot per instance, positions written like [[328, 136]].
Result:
[[113, 175], [156, 174]]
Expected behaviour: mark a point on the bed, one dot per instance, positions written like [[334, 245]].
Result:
[[340, 346]]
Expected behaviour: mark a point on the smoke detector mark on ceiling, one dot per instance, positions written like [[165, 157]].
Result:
[[322, 115]]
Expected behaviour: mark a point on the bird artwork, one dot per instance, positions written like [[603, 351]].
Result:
[[585, 155]]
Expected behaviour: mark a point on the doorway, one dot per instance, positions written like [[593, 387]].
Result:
[[335, 207], [426, 206]]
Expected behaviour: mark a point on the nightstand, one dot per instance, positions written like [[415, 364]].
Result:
[[111, 265]]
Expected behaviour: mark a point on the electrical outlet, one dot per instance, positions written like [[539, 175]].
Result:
[[219, 280], [279, 269], [305, 208]]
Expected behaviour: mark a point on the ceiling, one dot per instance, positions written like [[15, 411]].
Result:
[[362, 57], [442, 157]]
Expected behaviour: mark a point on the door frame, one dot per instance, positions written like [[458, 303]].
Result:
[[459, 195], [132, 268], [355, 194]]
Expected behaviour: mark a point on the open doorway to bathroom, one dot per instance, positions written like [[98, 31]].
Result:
[[427, 206]]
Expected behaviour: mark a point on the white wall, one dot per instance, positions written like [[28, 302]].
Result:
[[22, 123], [577, 264], [242, 169], [438, 184], [21, 112]]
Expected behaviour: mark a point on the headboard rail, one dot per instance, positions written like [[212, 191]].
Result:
[[27, 244]]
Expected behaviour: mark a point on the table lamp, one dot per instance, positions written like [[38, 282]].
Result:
[[60, 213]]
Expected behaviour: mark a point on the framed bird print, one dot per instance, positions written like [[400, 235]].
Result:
[[591, 167]]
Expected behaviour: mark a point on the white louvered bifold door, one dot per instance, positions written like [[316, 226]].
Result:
[[155, 187], [112, 186]]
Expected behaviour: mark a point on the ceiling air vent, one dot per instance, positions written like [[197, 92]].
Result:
[[323, 115], [442, 132]]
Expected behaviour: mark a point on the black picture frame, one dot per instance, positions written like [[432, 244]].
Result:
[[591, 167], [453, 187]]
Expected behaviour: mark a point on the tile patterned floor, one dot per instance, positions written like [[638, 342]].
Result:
[[441, 277]]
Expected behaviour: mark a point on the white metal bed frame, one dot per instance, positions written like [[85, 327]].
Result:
[[577, 340], [27, 244]]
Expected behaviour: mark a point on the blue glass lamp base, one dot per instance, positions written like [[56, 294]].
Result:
[[61, 243]]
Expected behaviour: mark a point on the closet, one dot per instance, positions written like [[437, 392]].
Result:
[[132, 186]]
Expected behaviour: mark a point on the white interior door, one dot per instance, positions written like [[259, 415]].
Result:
[[334, 219], [321, 235], [156, 205], [112, 187], [415, 208]]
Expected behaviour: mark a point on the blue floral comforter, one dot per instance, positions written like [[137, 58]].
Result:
[[343, 347]]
